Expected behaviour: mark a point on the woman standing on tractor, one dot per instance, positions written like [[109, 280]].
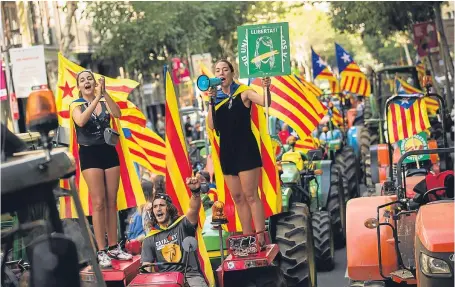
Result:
[[99, 161], [239, 153]]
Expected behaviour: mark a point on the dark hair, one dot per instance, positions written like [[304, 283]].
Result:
[[147, 188], [78, 74], [159, 184], [171, 210], [227, 62], [77, 79]]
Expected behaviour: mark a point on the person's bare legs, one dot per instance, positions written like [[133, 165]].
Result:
[[94, 177], [233, 183], [249, 181], [112, 176]]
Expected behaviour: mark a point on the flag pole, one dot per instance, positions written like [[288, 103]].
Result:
[[266, 90]]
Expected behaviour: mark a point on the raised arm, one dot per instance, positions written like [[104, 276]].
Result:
[[194, 183], [81, 118], [254, 97], [112, 106]]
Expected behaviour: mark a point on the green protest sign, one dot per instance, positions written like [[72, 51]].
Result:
[[416, 142], [264, 50]]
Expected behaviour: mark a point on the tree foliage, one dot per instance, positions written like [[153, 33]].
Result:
[[144, 35], [379, 18]]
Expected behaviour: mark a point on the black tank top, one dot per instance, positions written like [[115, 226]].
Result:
[[92, 133]]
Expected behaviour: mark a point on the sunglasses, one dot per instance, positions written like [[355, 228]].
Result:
[[163, 196]]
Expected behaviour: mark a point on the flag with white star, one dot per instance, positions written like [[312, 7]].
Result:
[[405, 89], [407, 116], [322, 72], [137, 143], [353, 80]]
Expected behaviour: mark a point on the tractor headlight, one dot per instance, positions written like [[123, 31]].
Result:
[[431, 266]]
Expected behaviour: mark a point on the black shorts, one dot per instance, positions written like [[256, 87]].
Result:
[[102, 156]]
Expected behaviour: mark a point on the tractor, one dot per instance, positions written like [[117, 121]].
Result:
[[53, 256], [406, 235], [383, 157], [308, 179], [341, 144], [373, 132]]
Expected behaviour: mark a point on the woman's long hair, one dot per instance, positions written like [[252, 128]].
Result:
[[151, 222]]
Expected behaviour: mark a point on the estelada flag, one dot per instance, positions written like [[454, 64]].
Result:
[[322, 72], [306, 144], [407, 116], [404, 89], [130, 192], [353, 80], [269, 183], [67, 90], [178, 168]]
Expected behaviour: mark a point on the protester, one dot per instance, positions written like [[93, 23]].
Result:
[[99, 161], [239, 153]]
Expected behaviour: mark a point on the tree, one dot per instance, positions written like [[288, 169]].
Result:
[[379, 18], [66, 37], [144, 35]]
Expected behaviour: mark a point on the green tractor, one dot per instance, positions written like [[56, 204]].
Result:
[[288, 229], [316, 183]]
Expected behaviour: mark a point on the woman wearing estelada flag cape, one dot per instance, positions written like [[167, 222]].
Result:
[[239, 152]]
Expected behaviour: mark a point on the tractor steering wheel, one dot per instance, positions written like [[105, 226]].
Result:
[[143, 270], [433, 191]]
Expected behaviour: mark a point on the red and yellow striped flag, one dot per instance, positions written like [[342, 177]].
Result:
[[269, 183], [67, 91], [353, 80], [309, 87], [404, 88], [407, 116], [420, 67], [306, 144], [178, 168], [293, 104], [130, 192]]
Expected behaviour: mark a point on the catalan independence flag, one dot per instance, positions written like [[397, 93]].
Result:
[[353, 80], [322, 72], [420, 67], [269, 183], [407, 116], [293, 104], [67, 91], [404, 89], [130, 192], [178, 168]]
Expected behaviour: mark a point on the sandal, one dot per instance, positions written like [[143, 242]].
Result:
[[261, 240]]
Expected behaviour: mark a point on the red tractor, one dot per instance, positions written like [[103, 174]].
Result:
[[406, 236], [247, 264]]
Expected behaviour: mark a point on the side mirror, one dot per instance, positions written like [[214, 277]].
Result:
[[189, 244], [314, 154]]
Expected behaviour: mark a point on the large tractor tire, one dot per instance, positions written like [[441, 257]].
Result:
[[336, 206], [271, 276], [294, 236], [348, 163], [324, 243]]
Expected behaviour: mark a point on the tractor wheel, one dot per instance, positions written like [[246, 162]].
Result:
[[367, 112], [294, 236], [364, 151], [263, 277], [324, 243], [348, 163], [336, 205]]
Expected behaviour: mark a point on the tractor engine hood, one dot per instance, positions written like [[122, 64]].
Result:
[[434, 226]]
